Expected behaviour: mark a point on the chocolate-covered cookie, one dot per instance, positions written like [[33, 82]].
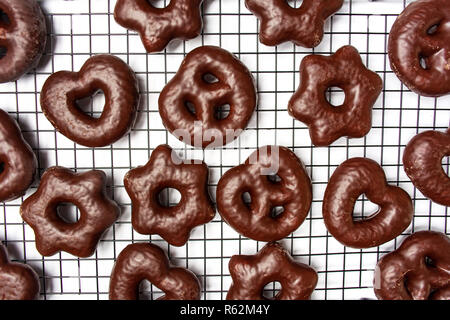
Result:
[[191, 104], [102, 72], [180, 19], [419, 47], [23, 35], [350, 180], [85, 190], [303, 26], [309, 104], [272, 263], [145, 261], [418, 270]]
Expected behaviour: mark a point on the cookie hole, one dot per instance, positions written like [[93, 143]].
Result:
[[210, 78], [423, 62], [3, 52], [335, 96], [446, 165], [272, 290], [92, 105], [148, 292], [190, 107], [294, 3], [2, 167], [429, 262], [4, 19], [169, 197], [160, 4], [433, 29], [67, 212], [222, 112], [276, 211], [364, 208], [247, 199], [274, 178]]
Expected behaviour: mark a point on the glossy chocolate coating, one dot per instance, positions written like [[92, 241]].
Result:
[[255, 220], [181, 19], [19, 161], [102, 72], [17, 280], [235, 87], [361, 86], [281, 23], [422, 160], [85, 190], [272, 263], [412, 38], [23, 35], [351, 179], [418, 270], [145, 261], [165, 170]]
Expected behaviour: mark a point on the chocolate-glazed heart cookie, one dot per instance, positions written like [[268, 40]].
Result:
[[23, 35], [18, 160], [280, 22], [351, 179], [419, 47], [275, 180], [180, 19], [102, 72], [418, 270], [85, 190], [345, 70], [145, 261], [208, 79], [166, 170], [17, 280], [272, 263], [422, 160]]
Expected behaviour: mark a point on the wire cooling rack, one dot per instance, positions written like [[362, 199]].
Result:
[[81, 28]]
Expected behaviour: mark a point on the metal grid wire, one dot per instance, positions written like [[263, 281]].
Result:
[[81, 28]]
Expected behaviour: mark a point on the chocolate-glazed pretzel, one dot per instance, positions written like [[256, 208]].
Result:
[[234, 86], [419, 269], [422, 160], [166, 170], [23, 35], [103, 72], [181, 19], [351, 179], [259, 220], [361, 86], [17, 280], [19, 161], [419, 47], [303, 26], [272, 263], [145, 261], [84, 190]]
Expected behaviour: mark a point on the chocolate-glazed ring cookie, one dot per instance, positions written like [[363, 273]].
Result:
[[84, 190], [103, 72], [419, 47], [303, 26], [272, 263], [18, 160], [181, 19], [422, 160], [23, 35], [166, 170], [202, 127], [145, 261], [361, 86], [260, 219], [418, 270], [17, 280], [351, 179]]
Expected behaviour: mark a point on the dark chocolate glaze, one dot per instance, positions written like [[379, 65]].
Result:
[[85, 190], [361, 86], [351, 179], [272, 263], [422, 160], [418, 270], [17, 280], [145, 261], [181, 19], [303, 26], [235, 87], [19, 161], [412, 39], [102, 72], [23, 35], [165, 170], [255, 220]]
